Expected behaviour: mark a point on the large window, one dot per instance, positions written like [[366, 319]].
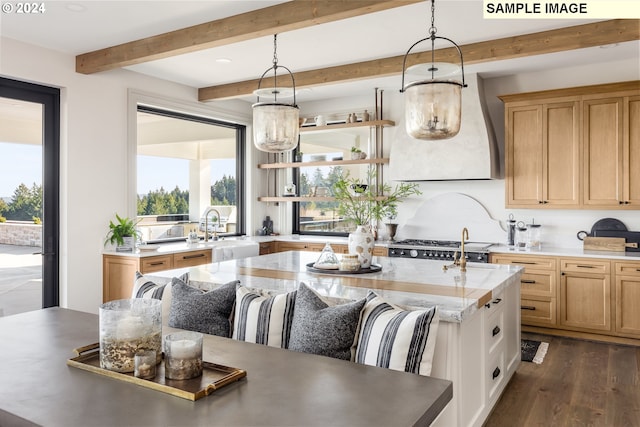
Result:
[[328, 156], [184, 165]]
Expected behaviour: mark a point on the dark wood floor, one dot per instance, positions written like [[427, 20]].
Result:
[[580, 383]]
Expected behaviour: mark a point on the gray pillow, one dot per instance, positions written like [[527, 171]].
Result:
[[322, 329], [200, 311]]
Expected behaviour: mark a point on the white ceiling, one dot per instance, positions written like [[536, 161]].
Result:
[[82, 26]]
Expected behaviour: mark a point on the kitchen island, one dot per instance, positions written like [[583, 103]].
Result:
[[478, 339]]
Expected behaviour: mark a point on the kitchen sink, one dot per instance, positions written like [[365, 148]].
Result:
[[223, 250]]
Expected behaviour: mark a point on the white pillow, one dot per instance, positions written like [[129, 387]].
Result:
[[263, 319], [394, 338], [145, 288]]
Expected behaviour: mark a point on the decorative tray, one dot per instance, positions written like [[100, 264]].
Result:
[[374, 268], [213, 376]]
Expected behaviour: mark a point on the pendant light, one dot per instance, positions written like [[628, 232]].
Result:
[[433, 106], [275, 124]]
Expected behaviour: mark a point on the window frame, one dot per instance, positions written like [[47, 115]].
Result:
[[177, 110]]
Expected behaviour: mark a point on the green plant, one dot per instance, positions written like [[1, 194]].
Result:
[[360, 203], [125, 227], [355, 149], [3, 219], [36, 220]]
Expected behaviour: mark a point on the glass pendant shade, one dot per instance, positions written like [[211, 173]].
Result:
[[275, 127], [433, 109]]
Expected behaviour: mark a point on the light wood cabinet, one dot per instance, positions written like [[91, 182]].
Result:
[[538, 288], [267, 248], [542, 162], [119, 271], [573, 148], [627, 291], [585, 294]]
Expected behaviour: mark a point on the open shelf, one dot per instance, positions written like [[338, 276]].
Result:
[[303, 199], [322, 163], [370, 123]]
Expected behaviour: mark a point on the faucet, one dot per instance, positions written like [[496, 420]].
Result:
[[206, 223], [463, 259]]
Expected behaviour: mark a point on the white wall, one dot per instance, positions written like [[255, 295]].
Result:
[[94, 155]]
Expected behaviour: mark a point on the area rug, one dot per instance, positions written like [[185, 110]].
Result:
[[533, 351]]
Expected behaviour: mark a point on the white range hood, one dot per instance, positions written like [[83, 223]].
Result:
[[472, 154]]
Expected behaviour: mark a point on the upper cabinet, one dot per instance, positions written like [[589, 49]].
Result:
[[574, 148]]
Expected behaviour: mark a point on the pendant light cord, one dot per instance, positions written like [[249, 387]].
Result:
[[432, 32]]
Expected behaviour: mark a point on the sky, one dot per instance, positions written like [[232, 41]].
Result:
[[22, 164]]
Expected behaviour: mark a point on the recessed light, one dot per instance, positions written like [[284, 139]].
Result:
[[223, 60], [76, 7]]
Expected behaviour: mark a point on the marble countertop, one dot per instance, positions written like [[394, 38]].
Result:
[[407, 282], [567, 252]]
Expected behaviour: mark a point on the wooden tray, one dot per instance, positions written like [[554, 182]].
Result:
[[213, 376], [374, 268]]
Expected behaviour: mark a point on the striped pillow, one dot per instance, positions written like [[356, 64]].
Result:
[[390, 337], [145, 288], [263, 319]]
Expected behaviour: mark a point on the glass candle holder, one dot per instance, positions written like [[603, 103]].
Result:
[[127, 327], [145, 364], [183, 355]]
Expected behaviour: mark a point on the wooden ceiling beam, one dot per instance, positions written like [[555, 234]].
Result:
[[559, 40], [280, 18]]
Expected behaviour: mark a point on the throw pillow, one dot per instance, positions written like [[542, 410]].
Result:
[[322, 329], [390, 337], [263, 319], [196, 310], [146, 288]]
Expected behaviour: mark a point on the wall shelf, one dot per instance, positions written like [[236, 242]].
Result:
[[370, 123], [323, 163], [303, 199]]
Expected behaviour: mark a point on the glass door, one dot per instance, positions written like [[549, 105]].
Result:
[[29, 196]]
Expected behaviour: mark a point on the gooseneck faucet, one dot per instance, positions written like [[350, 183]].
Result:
[[206, 223], [463, 259]]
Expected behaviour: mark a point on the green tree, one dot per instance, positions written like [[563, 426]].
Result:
[[223, 191], [25, 203]]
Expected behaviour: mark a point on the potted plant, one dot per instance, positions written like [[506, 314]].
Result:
[[360, 204], [122, 233], [357, 154]]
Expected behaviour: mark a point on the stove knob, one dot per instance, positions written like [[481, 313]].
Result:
[[413, 253], [480, 257], [392, 252], [441, 254], [425, 254], [402, 253]]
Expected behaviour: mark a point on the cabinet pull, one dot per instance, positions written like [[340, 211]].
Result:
[[157, 263], [193, 256], [497, 300], [585, 266], [496, 330], [528, 282], [637, 269], [523, 262], [527, 307], [496, 373]]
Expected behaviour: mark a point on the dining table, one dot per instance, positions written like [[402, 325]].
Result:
[[281, 387]]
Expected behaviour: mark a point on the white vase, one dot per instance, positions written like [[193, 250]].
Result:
[[361, 243]]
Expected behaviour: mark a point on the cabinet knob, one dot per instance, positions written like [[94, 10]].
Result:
[[496, 373], [496, 331], [620, 202]]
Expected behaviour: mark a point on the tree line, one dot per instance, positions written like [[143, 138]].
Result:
[[26, 203]]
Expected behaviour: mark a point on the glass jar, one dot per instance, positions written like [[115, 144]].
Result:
[[349, 262], [535, 236], [522, 237], [128, 327], [183, 355]]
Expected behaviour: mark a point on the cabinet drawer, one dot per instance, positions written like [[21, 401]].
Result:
[[189, 259], [494, 331], [628, 268], [495, 375], [539, 283], [585, 266], [540, 311], [294, 246], [156, 263], [528, 262], [380, 251]]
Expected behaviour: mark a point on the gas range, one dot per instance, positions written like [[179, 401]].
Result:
[[443, 250]]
